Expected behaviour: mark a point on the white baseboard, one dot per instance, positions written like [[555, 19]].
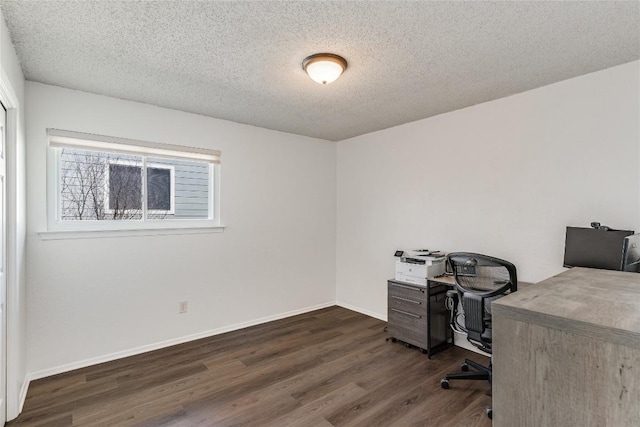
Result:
[[362, 310], [162, 344]]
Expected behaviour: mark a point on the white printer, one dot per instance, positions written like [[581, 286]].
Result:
[[416, 265]]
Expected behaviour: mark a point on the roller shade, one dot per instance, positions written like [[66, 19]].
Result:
[[78, 140]]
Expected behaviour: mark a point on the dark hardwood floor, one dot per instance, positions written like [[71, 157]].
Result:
[[330, 367]]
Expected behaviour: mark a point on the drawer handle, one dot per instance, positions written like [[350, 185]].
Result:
[[407, 300], [411, 288], [407, 313]]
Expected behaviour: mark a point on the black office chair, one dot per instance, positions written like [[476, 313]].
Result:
[[479, 279]]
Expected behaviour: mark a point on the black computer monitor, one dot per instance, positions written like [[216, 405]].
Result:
[[594, 248], [631, 254]]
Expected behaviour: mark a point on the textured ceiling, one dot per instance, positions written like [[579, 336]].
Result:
[[240, 61]]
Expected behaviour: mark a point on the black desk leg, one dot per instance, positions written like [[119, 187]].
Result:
[[429, 320]]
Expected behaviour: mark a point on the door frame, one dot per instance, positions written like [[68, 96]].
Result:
[[3, 262], [15, 395]]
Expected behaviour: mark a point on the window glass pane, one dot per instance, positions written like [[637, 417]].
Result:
[[95, 185], [185, 182], [125, 188], [158, 188]]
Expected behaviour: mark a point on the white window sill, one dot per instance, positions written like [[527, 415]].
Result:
[[92, 234]]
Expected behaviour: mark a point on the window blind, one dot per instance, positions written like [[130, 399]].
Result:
[[79, 140]]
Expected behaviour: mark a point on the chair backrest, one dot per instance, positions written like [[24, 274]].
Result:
[[480, 278]]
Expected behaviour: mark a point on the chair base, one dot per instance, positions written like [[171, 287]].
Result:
[[482, 373]]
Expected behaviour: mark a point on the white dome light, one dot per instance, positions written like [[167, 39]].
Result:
[[324, 68]]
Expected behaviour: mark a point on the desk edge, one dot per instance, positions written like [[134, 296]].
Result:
[[603, 333]]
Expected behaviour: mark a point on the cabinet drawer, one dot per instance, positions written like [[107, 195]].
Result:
[[408, 327], [407, 291], [408, 304]]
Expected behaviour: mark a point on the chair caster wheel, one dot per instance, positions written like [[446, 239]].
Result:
[[490, 413], [444, 384], [464, 367]]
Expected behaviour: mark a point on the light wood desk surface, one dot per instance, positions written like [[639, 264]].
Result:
[[598, 303], [445, 280], [451, 281], [566, 352]]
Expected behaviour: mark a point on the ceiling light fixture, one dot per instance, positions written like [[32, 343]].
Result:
[[324, 68]]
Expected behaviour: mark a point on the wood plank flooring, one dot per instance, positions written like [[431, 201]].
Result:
[[331, 367]]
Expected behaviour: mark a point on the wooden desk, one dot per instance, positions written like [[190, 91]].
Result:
[[443, 280], [460, 338], [566, 352], [451, 281]]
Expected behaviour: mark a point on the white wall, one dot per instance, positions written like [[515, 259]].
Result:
[[95, 299], [12, 94], [503, 178]]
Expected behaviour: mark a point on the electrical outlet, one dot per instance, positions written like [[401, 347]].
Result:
[[182, 307]]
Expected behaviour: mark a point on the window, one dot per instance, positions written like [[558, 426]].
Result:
[[109, 183], [124, 188]]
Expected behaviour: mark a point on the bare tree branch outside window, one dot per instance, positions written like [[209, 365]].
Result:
[[100, 186]]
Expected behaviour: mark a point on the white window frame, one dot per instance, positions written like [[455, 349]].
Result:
[[144, 165], [61, 229]]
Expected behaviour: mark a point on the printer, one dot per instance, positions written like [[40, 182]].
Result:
[[416, 265]]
